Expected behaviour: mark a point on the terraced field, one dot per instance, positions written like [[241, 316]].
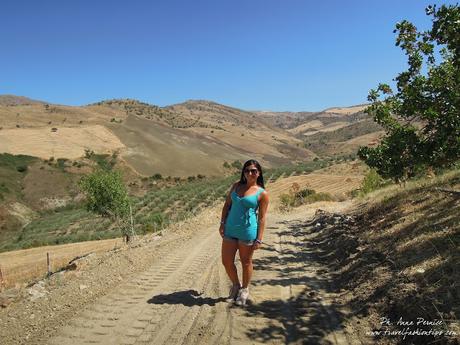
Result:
[[152, 212]]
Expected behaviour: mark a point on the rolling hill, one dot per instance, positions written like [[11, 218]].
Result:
[[185, 139], [194, 137]]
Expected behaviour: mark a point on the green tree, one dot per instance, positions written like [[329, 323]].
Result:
[[107, 196], [422, 117]]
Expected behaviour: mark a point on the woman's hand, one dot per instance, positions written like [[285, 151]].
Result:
[[256, 245], [221, 230]]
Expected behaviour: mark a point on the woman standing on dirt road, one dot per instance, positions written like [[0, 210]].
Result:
[[242, 226]]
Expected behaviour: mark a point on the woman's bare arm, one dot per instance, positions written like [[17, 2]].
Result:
[[263, 206], [225, 209]]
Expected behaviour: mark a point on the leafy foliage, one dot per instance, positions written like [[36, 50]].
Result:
[[422, 118], [106, 194], [371, 182]]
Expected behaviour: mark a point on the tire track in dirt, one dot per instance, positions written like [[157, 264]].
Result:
[[181, 298], [291, 302], [130, 314]]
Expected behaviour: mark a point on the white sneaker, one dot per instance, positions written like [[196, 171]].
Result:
[[233, 293], [243, 296]]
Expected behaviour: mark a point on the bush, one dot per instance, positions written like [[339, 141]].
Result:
[[237, 164], [371, 182], [61, 163], [102, 161], [88, 153], [297, 197], [319, 197], [304, 193], [21, 168], [287, 201], [156, 177]]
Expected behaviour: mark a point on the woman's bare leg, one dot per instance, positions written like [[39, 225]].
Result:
[[246, 261], [229, 249]]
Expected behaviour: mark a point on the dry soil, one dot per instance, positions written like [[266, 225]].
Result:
[[171, 290]]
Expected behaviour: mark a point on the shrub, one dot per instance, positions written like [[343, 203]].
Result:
[[21, 168], [319, 197], [88, 153], [156, 177], [287, 201], [237, 164], [297, 197], [61, 163], [371, 182], [102, 161]]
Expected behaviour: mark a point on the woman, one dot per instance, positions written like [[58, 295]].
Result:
[[242, 226]]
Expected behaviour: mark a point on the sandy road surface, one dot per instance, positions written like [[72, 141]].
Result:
[[180, 299]]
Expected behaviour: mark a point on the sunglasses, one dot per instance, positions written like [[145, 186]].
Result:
[[251, 171]]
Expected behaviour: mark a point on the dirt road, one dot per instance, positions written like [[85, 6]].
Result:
[[180, 299]]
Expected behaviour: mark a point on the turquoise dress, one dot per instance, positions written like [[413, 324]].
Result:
[[242, 222]]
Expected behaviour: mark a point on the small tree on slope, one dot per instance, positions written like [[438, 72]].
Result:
[[107, 195]]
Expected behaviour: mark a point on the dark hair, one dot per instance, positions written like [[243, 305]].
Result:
[[260, 179]]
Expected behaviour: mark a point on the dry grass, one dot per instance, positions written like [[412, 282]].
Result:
[[315, 126], [337, 180], [21, 266], [66, 142], [337, 185], [395, 254], [346, 110]]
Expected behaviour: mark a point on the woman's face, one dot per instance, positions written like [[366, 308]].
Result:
[[251, 172]]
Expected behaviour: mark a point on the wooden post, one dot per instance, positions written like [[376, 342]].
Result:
[[2, 281], [132, 221], [48, 262]]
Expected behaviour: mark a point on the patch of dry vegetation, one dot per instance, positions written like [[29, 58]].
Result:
[[397, 256]]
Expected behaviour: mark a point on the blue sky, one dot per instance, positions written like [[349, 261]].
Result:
[[252, 54]]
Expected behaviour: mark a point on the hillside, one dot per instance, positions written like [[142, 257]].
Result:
[[344, 139], [204, 134], [41, 203], [201, 134]]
